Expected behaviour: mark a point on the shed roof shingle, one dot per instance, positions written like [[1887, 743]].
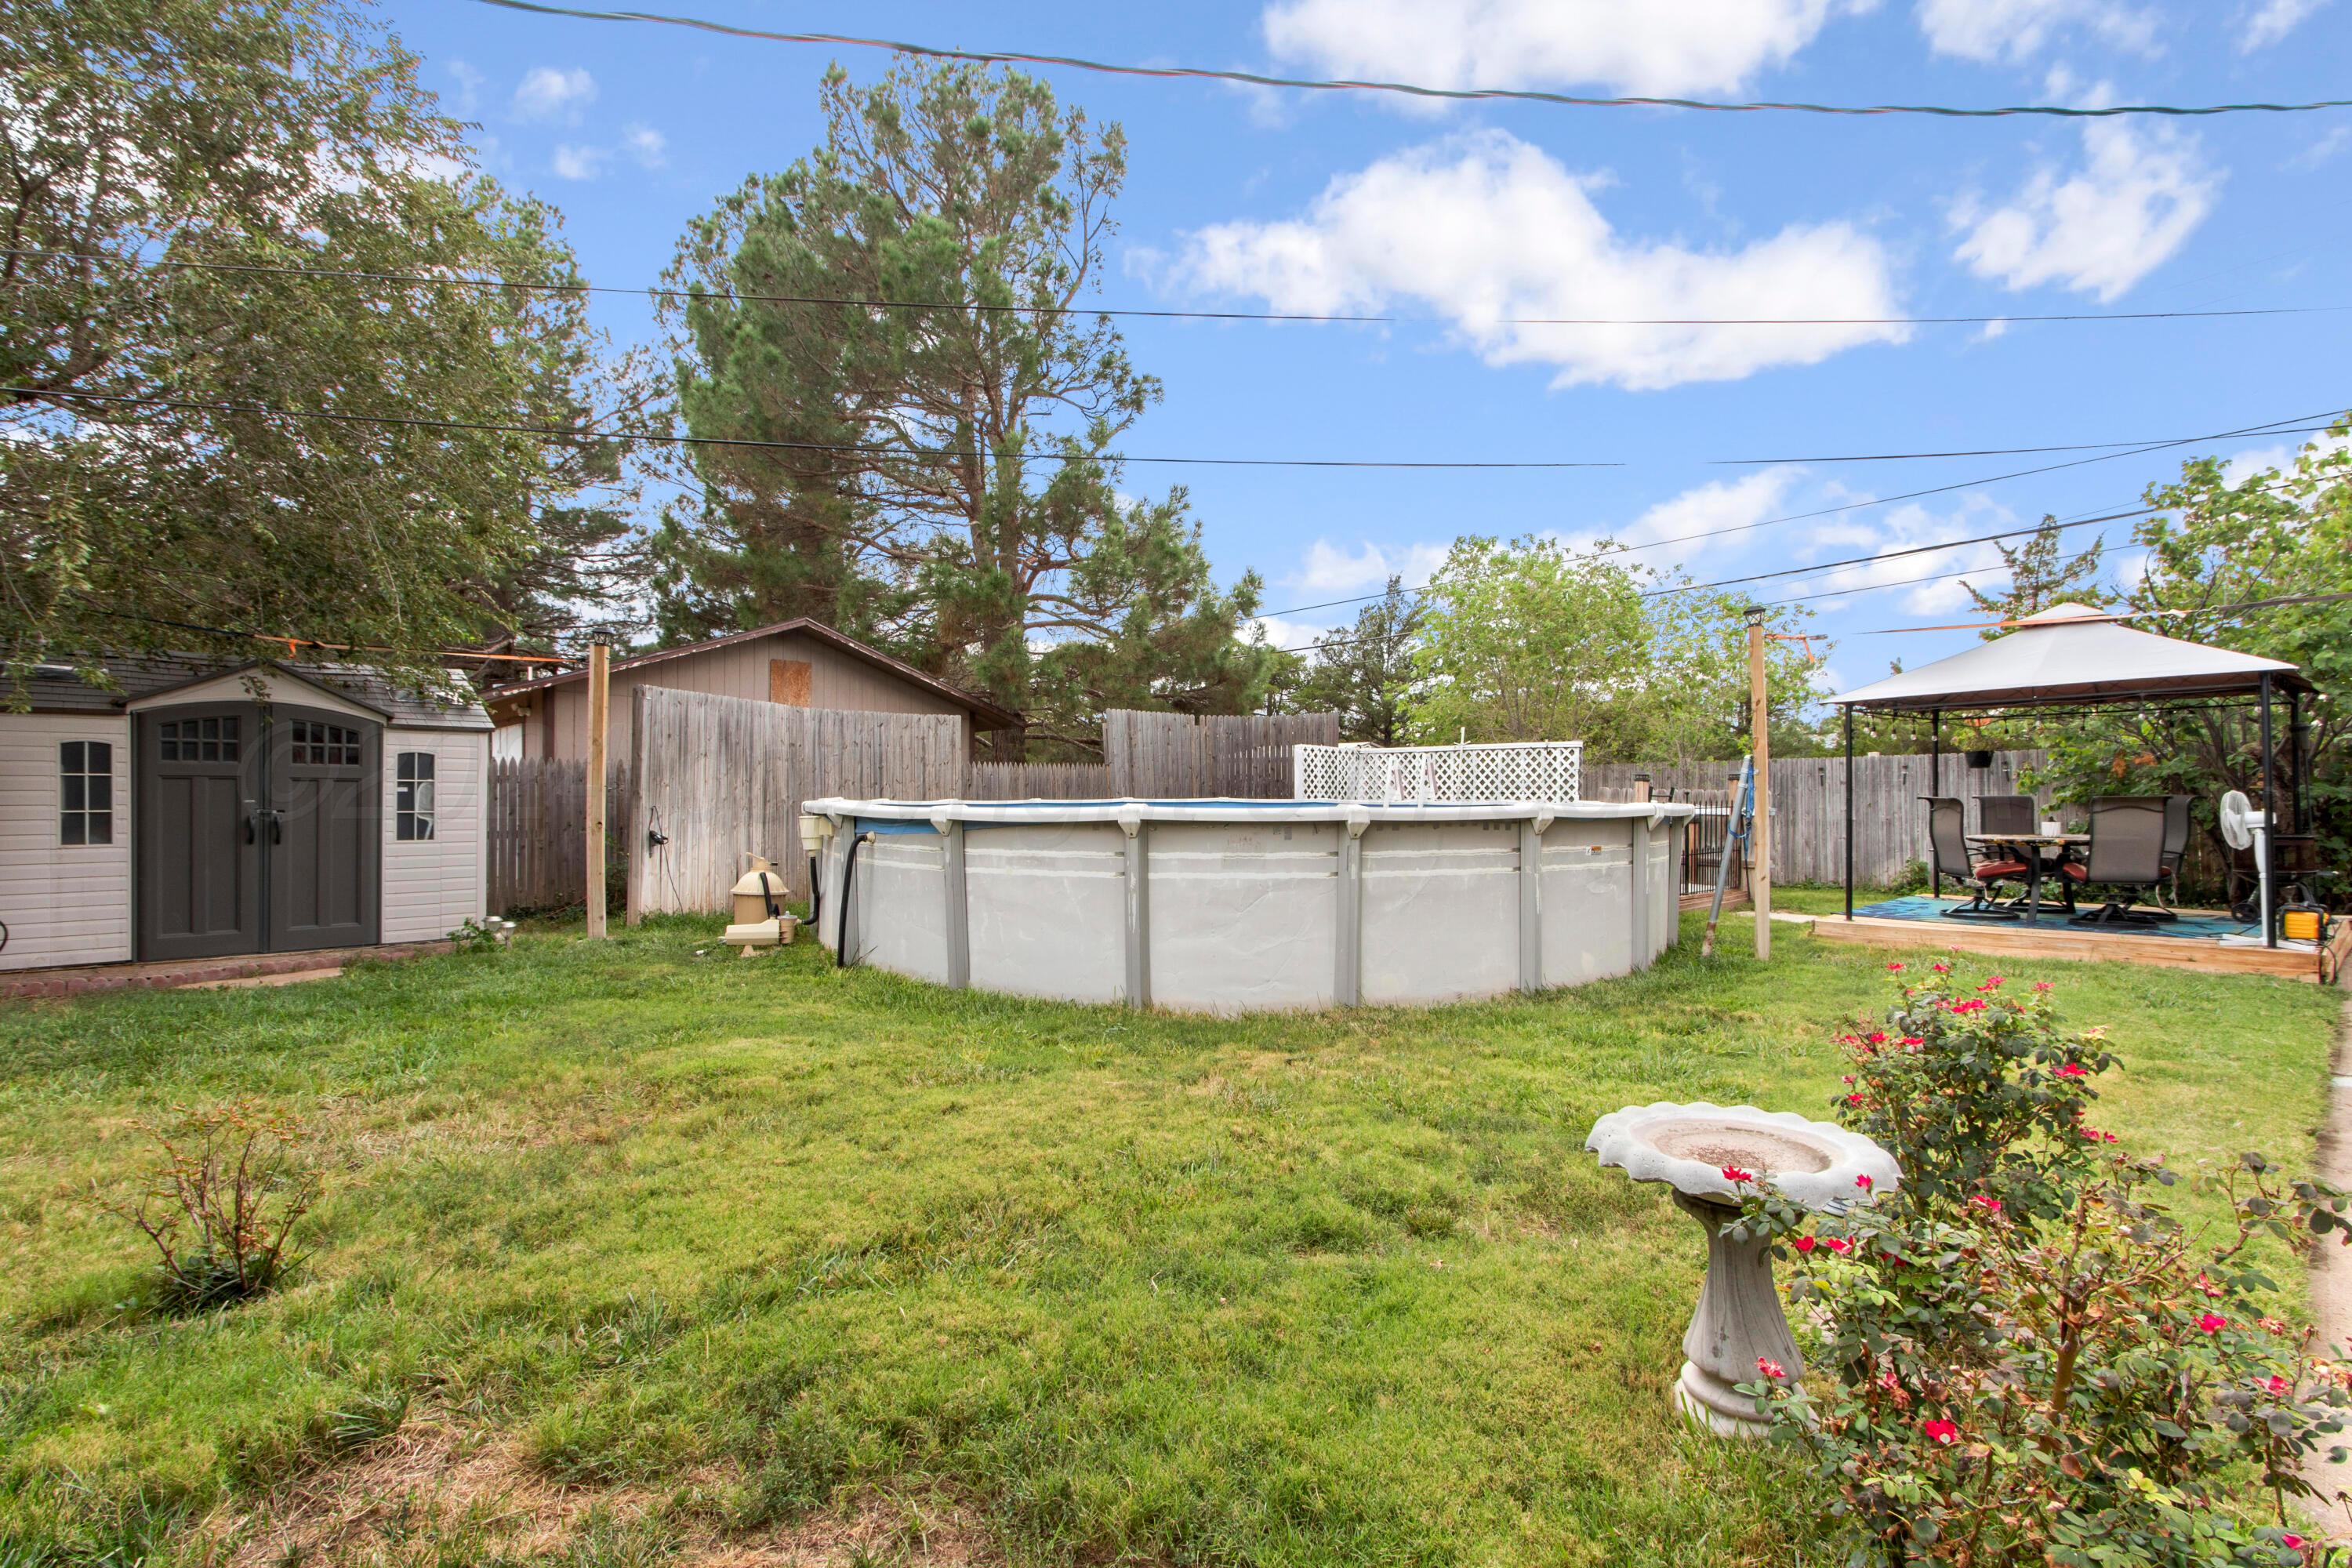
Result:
[[57, 689]]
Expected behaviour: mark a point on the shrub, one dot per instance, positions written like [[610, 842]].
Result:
[[222, 1208], [2025, 1357]]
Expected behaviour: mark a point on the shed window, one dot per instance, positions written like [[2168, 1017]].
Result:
[[197, 740], [412, 796], [325, 745], [86, 792]]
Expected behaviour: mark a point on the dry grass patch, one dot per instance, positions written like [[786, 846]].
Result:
[[431, 1487], [440, 1491]]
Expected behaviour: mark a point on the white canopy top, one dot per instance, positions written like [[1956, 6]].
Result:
[[2072, 653]]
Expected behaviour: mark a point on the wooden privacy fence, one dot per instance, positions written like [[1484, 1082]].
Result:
[[1890, 824], [1037, 780], [718, 777], [1164, 756], [538, 832]]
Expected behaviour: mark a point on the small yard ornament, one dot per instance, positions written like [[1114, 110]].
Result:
[[1712, 1156]]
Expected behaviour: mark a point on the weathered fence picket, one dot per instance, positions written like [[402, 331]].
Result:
[[1038, 781], [539, 831], [1174, 756], [723, 777], [1890, 824]]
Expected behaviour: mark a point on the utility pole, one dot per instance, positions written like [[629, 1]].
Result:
[[599, 691], [1759, 832]]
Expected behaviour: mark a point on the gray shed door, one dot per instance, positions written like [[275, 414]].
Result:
[[257, 831], [199, 783], [326, 836]]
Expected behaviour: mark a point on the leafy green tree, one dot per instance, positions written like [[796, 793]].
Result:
[[1527, 641], [2216, 547], [1365, 673], [162, 465], [940, 475]]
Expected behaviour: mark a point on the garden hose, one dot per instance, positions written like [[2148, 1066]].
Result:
[[848, 871]]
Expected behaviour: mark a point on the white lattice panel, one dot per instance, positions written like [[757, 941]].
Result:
[[1539, 770]]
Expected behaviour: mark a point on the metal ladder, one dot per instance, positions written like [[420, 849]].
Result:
[[1743, 803]]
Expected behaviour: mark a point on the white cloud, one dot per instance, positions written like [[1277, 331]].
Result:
[[1329, 569], [2256, 460], [1679, 529], [2321, 151], [2017, 29], [648, 146], [547, 93], [1692, 45], [1292, 634], [1901, 527], [468, 95], [2136, 198], [1485, 226], [572, 162], [2275, 20]]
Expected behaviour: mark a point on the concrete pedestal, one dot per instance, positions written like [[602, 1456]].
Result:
[[1738, 1321]]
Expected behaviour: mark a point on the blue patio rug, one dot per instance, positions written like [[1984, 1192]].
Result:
[[1922, 908]]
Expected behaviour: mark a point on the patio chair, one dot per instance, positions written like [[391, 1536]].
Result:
[[2018, 814], [2176, 847], [1947, 841], [2005, 814], [2128, 839]]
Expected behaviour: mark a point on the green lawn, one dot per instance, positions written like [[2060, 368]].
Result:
[[673, 1256]]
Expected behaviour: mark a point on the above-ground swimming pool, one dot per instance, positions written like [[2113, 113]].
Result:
[[1234, 906]]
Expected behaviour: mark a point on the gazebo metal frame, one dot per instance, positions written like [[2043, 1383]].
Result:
[[2153, 691]]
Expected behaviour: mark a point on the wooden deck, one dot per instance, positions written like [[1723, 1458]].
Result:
[[2058, 939]]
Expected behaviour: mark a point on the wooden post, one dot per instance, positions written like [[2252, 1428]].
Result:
[[1759, 830], [599, 691]]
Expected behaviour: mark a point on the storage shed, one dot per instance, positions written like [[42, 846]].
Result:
[[200, 810]]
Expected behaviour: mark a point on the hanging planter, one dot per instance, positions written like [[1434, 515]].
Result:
[[1982, 759]]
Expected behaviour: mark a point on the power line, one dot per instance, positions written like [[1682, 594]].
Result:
[[734, 296], [2270, 603], [1899, 582], [1897, 554], [2146, 442], [1530, 95], [649, 437], [1324, 642], [292, 643], [2269, 428], [2272, 428]]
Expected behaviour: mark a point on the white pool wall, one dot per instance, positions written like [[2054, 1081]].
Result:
[[1222, 906]]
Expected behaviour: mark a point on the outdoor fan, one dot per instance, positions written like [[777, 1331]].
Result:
[[2244, 827]]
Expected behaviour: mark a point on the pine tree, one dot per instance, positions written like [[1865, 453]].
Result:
[[2041, 575], [942, 475]]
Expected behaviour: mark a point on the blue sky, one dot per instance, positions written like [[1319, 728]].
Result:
[[1258, 199]]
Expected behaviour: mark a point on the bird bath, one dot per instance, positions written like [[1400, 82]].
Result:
[[1814, 1164]]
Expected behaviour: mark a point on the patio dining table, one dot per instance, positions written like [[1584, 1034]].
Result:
[[2029, 848]]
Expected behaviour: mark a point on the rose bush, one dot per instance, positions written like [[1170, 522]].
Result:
[[2023, 1355]]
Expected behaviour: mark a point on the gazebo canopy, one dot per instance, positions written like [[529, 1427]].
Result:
[[2071, 654]]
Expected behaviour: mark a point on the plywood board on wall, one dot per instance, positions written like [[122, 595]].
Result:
[[788, 681]]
